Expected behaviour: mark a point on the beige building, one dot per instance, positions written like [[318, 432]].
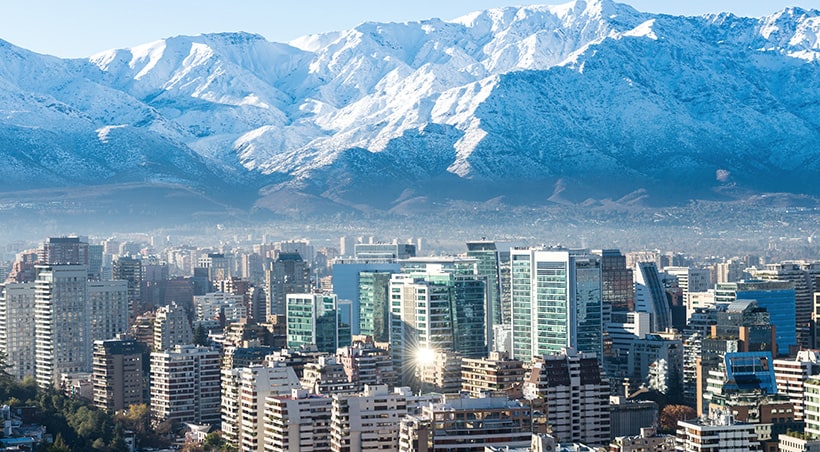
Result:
[[492, 374], [17, 328], [117, 374], [185, 385]]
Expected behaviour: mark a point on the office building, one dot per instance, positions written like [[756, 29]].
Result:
[[432, 312], [556, 302], [617, 289], [117, 374], [64, 251], [319, 320], [373, 305], [650, 296], [288, 274], [690, 280], [130, 269], [629, 417], [776, 297], [383, 251]]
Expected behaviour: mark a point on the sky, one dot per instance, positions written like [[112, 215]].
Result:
[[80, 28]]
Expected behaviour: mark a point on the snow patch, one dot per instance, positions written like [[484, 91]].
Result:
[[643, 30], [102, 132]]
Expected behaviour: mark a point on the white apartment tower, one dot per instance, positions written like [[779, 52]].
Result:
[[243, 400], [17, 328], [185, 385], [367, 421], [63, 342], [298, 422]]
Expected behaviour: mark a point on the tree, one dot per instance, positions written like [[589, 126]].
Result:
[[200, 335], [671, 414]]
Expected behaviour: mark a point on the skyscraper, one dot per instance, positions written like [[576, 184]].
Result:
[[556, 302], [777, 297], [117, 375], [63, 341], [185, 385], [318, 319], [17, 327], [650, 296]]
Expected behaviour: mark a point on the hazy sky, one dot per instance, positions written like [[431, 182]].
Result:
[[80, 28]]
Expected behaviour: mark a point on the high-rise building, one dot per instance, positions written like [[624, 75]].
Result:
[[130, 269], [575, 393], [650, 296], [657, 362], [367, 421], [383, 251], [777, 297], [288, 274], [374, 305], [243, 400], [63, 341], [556, 302], [361, 281], [172, 328], [107, 308], [616, 281], [494, 264], [64, 251], [299, 422], [185, 385], [791, 373], [434, 310], [467, 424], [318, 319], [117, 374], [17, 328], [802, 275]]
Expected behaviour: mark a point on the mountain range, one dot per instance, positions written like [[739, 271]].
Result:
[[585, 103]]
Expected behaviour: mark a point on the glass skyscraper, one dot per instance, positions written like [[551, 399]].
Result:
[[556, 302]]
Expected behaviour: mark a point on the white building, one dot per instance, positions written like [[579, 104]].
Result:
[[211, 306], [367, 421], [63, 342], [172, 328], [720, 433], [243, 401], [108, 308], [791, 373], [17, 328], [185, 385], [299, 422]]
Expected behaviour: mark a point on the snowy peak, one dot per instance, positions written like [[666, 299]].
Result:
[[590, 94]]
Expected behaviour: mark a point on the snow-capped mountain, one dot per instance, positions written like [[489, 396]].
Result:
[[589, 99]]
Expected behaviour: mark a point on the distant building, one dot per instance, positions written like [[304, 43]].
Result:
[[288, 274], [172, 328]]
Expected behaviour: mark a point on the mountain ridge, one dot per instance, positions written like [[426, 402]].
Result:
[[588, 101]]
